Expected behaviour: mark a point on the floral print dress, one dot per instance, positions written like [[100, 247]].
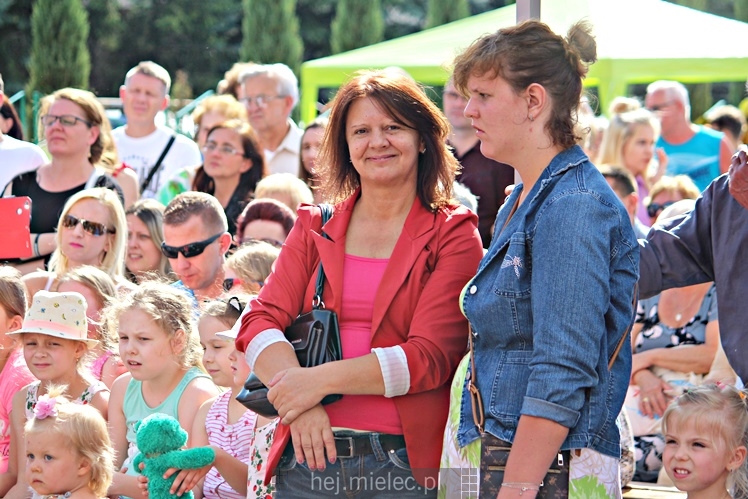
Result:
[[259, 448]]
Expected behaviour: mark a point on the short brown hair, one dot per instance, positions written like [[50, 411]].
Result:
[[405, 101], [266, 209], [531, 52], [623, 181], [191, 203]]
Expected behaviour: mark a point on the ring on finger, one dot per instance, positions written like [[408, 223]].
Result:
[[645, 399]]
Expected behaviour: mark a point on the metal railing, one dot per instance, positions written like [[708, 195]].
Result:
[[178, 121]]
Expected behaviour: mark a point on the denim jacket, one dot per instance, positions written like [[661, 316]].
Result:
[[552, 298]]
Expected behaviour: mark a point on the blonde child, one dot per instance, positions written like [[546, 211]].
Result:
[[55, 341], [68, 452], [706, 436], [99, 290], [161, 351], [222, 422], [14, 374]]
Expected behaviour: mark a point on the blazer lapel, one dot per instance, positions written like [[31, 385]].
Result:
[[417, 232]]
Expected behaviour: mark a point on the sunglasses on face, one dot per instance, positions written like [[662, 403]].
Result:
[[230, 282], [654, 209], [188, 250], [93, 228]]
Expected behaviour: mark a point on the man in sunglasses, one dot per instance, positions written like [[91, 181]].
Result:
[[196, 240], [708, 244], [16, 156]]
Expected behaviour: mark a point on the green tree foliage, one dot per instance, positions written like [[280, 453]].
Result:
[[201, 38], [445, 11], [356, 24], [103, 42], [59, 55], [315, 17], [15, 43], [270, 32]]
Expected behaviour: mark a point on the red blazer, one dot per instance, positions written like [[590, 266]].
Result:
[[416, 307]]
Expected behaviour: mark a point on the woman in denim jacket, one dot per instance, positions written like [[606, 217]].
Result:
[[553, 296]]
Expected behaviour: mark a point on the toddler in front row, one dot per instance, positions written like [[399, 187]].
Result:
[[706, 437], [68, 452]]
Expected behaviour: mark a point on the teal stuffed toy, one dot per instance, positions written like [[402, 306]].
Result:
[[160, 440]]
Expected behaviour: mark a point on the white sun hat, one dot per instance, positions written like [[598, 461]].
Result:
[[62, 315]]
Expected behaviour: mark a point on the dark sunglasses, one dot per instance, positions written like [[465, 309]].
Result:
[[188, 250], [655, 209], [93, 228], [230, 282]]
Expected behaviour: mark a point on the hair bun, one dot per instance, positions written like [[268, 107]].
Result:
[[580, 39]]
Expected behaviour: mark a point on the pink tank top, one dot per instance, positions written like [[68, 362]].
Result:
[[361, 279]]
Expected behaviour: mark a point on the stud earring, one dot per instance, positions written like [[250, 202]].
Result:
[[423, 150], [529, 116]]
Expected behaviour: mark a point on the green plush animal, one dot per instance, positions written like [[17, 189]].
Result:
[[160, 440]]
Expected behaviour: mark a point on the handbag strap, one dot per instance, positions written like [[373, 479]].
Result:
[[147, 182], [317, 302]]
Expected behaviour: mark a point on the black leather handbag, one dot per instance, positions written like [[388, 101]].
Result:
[[315, 337]]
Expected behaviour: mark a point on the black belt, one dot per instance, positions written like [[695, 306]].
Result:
[[359, 445]]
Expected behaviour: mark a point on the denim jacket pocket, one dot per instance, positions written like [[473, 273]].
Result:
[[513, 276], [509, 386], [512, 289]]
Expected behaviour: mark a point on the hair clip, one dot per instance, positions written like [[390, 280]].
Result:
[[45, 407], [742, 394], [236, 304], [720, 385]]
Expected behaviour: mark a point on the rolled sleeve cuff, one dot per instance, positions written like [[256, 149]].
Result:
[[548, 410], [261, 342], [394, 365]]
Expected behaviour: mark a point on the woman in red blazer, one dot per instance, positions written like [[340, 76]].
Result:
[[399, 252]]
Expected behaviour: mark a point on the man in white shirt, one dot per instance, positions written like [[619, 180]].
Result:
[[16, 156], [141, 143], [270, 92]]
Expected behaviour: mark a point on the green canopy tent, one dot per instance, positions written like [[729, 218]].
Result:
[[639, 41]]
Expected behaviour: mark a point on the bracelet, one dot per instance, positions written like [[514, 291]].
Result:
[[522, 486], [36, 245]]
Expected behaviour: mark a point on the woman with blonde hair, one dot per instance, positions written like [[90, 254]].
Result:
[[249, 266], [79, 142], [92, 231], [630, 142], [286, 188]]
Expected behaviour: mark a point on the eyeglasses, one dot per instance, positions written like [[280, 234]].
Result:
[[659, 107], [230, 282], [66, 120], [188, 250], [211, 146], [93, 228], [261, 100], [654, 209], [272, 242]]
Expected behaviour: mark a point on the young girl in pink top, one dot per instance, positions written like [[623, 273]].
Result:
[[14, 374], [240, 437], [56, 347]]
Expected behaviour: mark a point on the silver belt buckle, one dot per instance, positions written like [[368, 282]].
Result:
[[350, 446]]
